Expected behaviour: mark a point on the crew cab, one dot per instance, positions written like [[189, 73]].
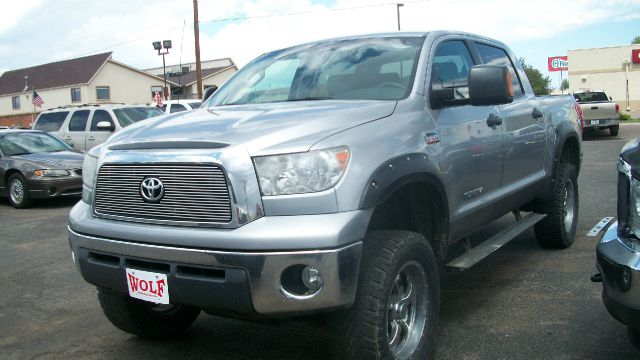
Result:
[[328, 179]]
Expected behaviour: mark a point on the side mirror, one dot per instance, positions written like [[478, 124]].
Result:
[[208, 92], [490, 85], [105, 126], [440, 95], [610, 98]]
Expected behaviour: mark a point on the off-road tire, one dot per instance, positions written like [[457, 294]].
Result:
[[613, 130], [555, 231], [140, 318], [20, 202], [390, 258]]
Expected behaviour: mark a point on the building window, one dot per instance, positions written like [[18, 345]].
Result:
[[103, 93], [155, 89], [15, 101], [75, 95]]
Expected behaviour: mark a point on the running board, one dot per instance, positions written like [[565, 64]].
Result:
[[484, 249]]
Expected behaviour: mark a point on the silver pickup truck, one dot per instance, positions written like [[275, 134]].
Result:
[[328, 178], [599, 111]]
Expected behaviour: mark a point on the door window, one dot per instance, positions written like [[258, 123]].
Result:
[[495, 56], [98, 116], [450, 73], [78, 120]]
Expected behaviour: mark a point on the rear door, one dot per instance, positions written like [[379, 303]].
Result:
[[76, 131], [96, 136], [523, 123]]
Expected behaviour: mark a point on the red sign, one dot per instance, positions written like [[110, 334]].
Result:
[[558, 63], [635, 56]]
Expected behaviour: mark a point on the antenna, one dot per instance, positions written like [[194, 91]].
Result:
[[26, 83]]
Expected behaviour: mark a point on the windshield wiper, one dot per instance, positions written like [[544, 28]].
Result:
[[22, 153]]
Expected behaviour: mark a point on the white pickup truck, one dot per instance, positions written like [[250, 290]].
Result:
[[599, 110]]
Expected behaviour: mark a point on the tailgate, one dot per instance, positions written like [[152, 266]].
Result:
[[598, 110]]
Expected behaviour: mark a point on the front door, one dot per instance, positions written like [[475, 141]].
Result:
[[95, 135]]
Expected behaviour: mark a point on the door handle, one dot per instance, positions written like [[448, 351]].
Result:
[[594, 108], [67, 138], [90, 138], [493, 120], [537, 114]]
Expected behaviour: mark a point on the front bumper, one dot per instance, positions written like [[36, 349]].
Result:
[[600, 123], [246, 281], [44, 188], [620, 269]]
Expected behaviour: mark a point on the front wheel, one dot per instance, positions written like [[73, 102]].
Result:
[[143, 318], [558, 229], [18, 192], [395, 314]]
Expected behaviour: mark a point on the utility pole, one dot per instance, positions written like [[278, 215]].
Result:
[[196, 31]]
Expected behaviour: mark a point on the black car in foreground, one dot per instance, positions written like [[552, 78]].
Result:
[[618, 252], [36, 165]]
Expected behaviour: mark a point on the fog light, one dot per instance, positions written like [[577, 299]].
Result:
[[312, 278]]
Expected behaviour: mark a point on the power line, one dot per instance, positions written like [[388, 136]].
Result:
[[149, 35]]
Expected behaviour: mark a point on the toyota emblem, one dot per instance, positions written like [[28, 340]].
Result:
[[151, 190]]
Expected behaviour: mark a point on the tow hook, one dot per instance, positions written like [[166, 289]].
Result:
[[596, 278]]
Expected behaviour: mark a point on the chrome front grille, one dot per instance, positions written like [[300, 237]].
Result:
[[193, 193]]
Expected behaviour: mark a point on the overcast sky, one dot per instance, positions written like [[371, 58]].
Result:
[[34, 32]]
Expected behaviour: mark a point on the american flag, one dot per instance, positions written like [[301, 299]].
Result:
[[37, 100]]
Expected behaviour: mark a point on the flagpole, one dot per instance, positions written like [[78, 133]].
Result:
[[33, 113]]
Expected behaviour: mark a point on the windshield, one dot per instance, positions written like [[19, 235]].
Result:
[[128, 116], [29, 143], [591, 97], [362, 69]]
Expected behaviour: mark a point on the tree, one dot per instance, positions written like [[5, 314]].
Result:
[[636, 40], [565, 84], [541, 84]]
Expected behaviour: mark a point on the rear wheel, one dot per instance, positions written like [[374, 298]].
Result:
[[143, 318], [613, 130], [558, 229], [18, 191], [395, 314]]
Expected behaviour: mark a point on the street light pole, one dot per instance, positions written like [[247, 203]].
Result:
[[626, 80], [398, 6], [166, 45]]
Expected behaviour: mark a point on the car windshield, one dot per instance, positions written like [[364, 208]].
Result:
[[128, 116], [591, 96], [21, 143], [379, 68]]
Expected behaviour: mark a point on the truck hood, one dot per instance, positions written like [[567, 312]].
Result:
[[263, 129]]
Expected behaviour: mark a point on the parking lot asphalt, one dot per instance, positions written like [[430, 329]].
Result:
[[523, 302]]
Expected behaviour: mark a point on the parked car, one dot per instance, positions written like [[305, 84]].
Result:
[[329, 177], [174, 106], [599, 110], [618, 251], [36, 165], [86, 126]]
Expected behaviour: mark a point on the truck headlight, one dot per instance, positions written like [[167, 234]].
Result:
[[634, 203], [301, 172], [89, 172], [51, 173]]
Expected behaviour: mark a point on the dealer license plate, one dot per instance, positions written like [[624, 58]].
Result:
[[595, 122], [148, 286]]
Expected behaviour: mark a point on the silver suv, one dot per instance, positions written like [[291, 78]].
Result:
[[86, 126]]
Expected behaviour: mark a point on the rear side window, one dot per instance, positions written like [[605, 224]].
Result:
[[177, 108], [495, 56], [78, 120], [51, 121], [98, 116]]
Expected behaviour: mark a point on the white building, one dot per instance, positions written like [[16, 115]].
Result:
[[183, 77], [613, 69], [89, 79]]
